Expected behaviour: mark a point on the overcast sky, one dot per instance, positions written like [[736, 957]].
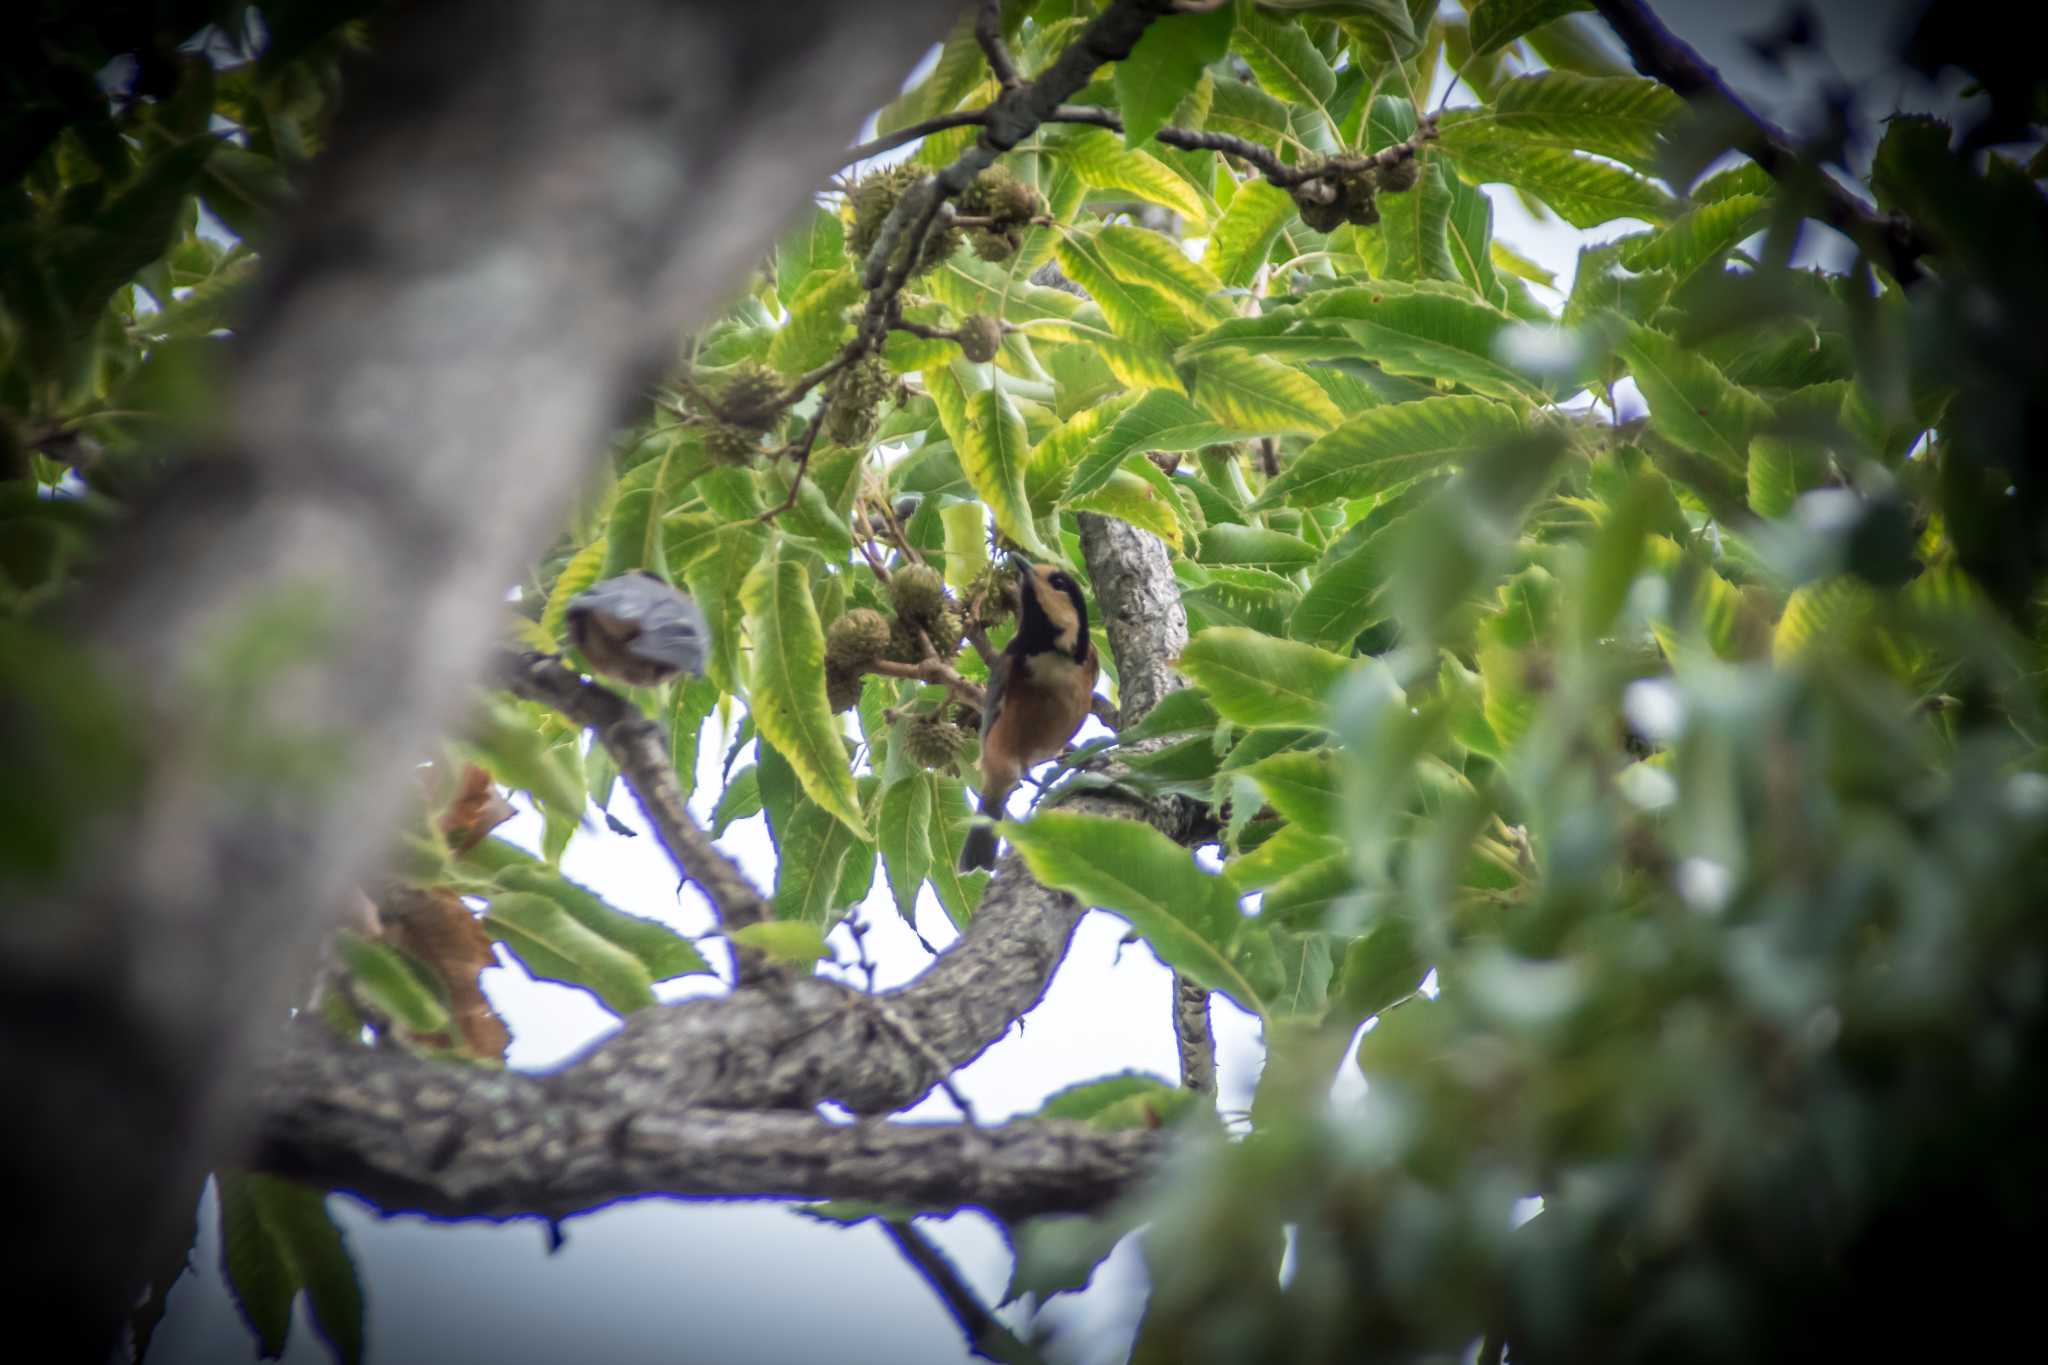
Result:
[[658, 1281]]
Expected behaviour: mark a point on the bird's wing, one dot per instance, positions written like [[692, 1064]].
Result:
[[998, 683]]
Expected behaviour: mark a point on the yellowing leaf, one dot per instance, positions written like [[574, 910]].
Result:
[[787, 699]]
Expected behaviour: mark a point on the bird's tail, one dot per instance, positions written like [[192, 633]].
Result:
[[980, 848]]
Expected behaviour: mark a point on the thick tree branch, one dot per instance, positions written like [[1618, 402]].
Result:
[[1891, 241], [463, 1142], [1134, 584], [988, 31]]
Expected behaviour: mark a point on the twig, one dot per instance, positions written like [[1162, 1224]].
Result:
[[988, 31], [803, 462], [889, 142], [1657, 52], [864, 544], [985, 1333], [897, 534], [935, 671], [636, 746]]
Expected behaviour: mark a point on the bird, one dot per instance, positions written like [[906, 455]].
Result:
[[1040, 690], [638, 629]]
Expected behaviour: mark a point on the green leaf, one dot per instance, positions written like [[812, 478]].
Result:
[[554, 945], [1386, 448], [1432, 330], [1166, 63], [1290, 968], [1259, 396], [1131, 498], [1255, 545], [1496, 23], [391, 984], [817, 323], [966, 543], [1780, 469], [1699, 238], [1091, 1100], [1257, 680], [715, 580], [994, 449], [1584, 190], [1691, 402], [958, 892], [1622, 117], [740, 799], [1159, 420], [1243, 237], [811, 853], [634, 537], [1103, 163], [584, 568], [1286, 62], [1302, 786], [1130, 869], [660, 949], [787, 699], [278, 1239], [1141, 256], [903, 836], [815, 246], [1137, 312], [796, 942]]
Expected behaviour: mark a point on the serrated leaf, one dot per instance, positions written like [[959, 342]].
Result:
[[715, 580], [1432, 330], [1291, 968], [1284, 59], [1496, 23], [988, 434], [787, 699], [1585, 191], [1132, 870], [1156, 421], [1258, 680], [1141, 256], [792, 941], [1104, 163], [1780, 469], [1697, 239], [634, 536], [554, 945], [1137, 312], [1166, 63], [1287, 852], [966, 542], [1623, 117], [1244, 234], [958, 892], [1050, 471], [816, 245], [1691, 402], [277, 1239], [1259, 396], [1388, 447], [1831, 609], [811, 851]]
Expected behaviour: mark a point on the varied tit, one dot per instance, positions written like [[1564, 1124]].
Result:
[[1039, 692], [638, 629]]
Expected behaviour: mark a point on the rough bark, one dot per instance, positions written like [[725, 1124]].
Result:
[[522, 207], [1134, 583], [463, 1142], [720, 1093]]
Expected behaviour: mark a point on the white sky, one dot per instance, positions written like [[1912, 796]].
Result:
[[663, 1281]]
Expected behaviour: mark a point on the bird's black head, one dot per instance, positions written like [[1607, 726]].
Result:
[[1052, 614]]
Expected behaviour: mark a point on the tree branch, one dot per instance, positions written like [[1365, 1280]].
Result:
[[1657, 52], [985, 1333], [988, 31], [636, 746], [465, 1142]]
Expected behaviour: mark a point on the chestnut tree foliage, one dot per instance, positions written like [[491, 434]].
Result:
[[1652, 654]]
